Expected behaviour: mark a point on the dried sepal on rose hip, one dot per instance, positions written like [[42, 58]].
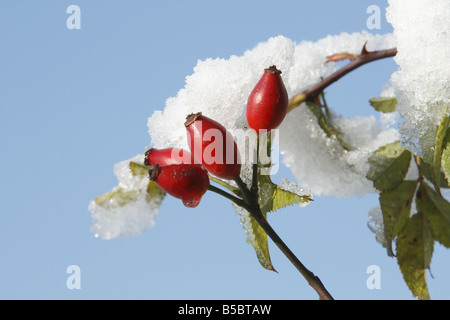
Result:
[[212, 146], [268, 102], [188, 182], [166, 156]]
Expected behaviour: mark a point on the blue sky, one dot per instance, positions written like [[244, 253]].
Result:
[[75, 102]]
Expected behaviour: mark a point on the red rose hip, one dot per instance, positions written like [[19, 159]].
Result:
[[213, 146], [268, 102], [188, 182], [167, 156]]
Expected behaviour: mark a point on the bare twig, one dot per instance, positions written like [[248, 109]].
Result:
[[363, 58]]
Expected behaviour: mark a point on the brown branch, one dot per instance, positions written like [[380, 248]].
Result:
[[363, 58]]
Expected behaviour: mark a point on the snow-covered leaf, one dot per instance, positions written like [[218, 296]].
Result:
[[130, 208], [273, 197], [324, 123], [139, 169], [117, 197]]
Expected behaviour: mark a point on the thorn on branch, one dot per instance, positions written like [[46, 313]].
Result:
[[364, 51]]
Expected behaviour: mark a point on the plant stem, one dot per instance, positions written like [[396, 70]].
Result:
[[312, 279], [250, 203], [315, 90], [224, 184], [254, 187], [225, 194], [247, 195]]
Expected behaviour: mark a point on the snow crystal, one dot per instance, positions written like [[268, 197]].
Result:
[[290, 186], [446, 194], [244, 220], [376, 225], [321, 164], [422, 83], [413, 171], [113, 219]]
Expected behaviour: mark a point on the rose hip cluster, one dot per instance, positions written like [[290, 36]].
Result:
[[184, 174]]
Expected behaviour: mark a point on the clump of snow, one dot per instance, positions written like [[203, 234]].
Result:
[[376, 225], [219, 88], [422, 83], [321, 164], [244, 220], [310, 57], [119, 217]]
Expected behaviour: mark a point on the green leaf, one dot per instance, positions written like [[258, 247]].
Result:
[[139, 169], [117, 197], [388, 166], [261, 244], [283, 198], [233, 189], [427, 171], [396, 207], [256, 237], [437, 212], [446, 156], [441, 133], [273, 197], [414, 250], [154, 193], [315, 109], [384, 104]]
